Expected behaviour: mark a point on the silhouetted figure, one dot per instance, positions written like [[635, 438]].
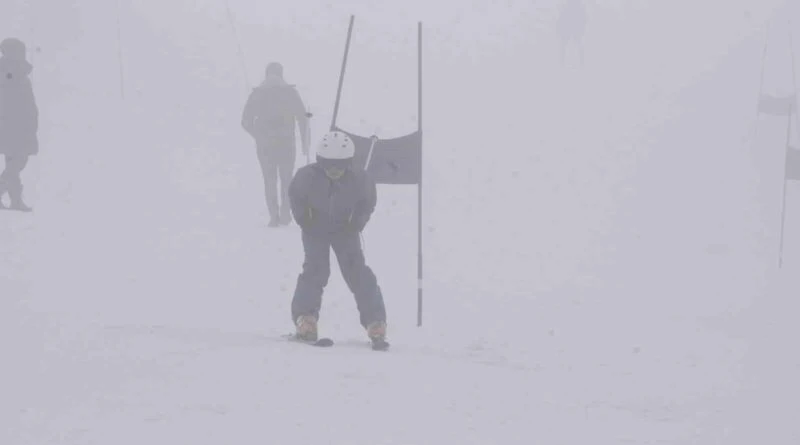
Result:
[[270, 115], [19, 119], [572, 26], [332, 203]]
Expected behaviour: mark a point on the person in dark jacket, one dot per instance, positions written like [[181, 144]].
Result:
[[270, 115], [332, 202], [19, 119]]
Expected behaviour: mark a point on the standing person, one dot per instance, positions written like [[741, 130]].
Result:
[[332, 203], [19, 119], [270, 115]]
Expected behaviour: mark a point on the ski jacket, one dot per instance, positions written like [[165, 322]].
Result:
[[19, 116], [271, 113], [324, 206]]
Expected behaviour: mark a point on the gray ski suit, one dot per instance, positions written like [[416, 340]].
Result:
[[332, 214]]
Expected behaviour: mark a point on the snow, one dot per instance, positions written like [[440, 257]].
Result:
[[600, 242]]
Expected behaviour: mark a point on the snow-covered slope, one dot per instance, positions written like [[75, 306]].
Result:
[[600, 242]]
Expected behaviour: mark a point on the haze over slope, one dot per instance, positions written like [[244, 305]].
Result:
[[600, 241]]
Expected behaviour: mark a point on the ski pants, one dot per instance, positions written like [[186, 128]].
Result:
[[10, 180], [317, 269], [276, 163]]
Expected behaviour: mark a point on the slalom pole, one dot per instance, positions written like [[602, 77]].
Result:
[[309, 115], [341, 73], [419, 186]]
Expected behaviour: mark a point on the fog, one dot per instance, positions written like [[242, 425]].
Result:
[[600, 234]]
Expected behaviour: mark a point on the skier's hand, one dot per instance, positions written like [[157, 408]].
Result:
[[357, 224], [304, 219]]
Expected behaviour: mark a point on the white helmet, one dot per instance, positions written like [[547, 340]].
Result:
[[336, 145]]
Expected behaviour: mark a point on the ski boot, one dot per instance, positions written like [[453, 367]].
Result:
[[20, 206], [376, 331], [15, 193], [306, 328]]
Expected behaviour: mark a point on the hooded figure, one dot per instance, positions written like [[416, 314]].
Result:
[[332, 203], [270, 115], [19, 119]]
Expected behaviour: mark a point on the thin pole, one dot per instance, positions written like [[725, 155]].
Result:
[[119, 51], [419, 186], [341, 73], [309, 115], [760, 85], [373, 141]]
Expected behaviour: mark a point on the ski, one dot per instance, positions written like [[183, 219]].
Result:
[[326, 342], [323, 342], [379, 345]]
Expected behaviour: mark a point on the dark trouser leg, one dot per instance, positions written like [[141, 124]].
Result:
[[314, 277], [269, 169], [359, 278], [11, 181], [286, 171]]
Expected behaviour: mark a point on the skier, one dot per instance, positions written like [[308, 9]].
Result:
[[332, 202], [270, 114], [19, 120]]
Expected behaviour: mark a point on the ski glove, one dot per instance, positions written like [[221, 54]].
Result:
[[304, 219], [357, 223]]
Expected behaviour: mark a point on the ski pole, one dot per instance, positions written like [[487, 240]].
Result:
[[309, 115]]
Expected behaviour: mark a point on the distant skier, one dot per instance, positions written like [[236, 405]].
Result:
[[19, 119], [270, 115], [572, 26], [332, 202]]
